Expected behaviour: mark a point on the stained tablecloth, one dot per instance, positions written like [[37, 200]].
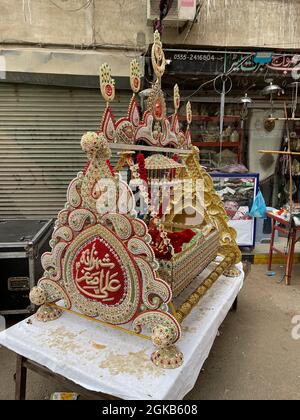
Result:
[[115, 363]]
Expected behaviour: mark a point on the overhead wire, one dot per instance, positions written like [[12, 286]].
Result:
[[84, 6], [27, 11], [219, 76], [223, 77]]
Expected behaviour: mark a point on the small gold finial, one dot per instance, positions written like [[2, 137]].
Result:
[[189, 113], [176, 98], [135, 76], [158, 56], [107, 84]]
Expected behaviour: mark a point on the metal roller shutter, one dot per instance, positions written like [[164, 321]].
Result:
[[40, 132]]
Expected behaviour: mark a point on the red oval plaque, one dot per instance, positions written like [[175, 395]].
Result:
[[108, 90], [98, 274]]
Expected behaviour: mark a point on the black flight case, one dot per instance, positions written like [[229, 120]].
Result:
[[22, 243]]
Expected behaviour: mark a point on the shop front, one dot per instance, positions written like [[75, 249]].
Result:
[[47, 100], [233, 95]]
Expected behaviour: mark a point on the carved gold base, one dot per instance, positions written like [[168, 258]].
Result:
[[167, 358], [232, 272], [46, 313], [197, 295]]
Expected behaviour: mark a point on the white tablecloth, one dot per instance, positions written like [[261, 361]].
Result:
[[112, 362]]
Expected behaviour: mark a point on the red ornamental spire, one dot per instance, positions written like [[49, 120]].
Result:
[[86, 167], [142, 167], [110, 167]]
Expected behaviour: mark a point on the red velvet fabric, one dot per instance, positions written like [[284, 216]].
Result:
[[178, 239], [98, 275]]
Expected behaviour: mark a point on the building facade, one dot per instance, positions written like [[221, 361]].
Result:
[[119, 23], [50, 54]]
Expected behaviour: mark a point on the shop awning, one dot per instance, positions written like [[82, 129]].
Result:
[[66, 67]]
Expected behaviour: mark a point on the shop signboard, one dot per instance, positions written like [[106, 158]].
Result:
[[204, 62], [195, 62]]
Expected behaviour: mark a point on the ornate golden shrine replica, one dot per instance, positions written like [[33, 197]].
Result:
[[123, 268]]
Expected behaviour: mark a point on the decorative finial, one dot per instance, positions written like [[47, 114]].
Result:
[[176, 98], [95, 145], [135, 76], [189, 113], [158, 56], [107, 84]]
